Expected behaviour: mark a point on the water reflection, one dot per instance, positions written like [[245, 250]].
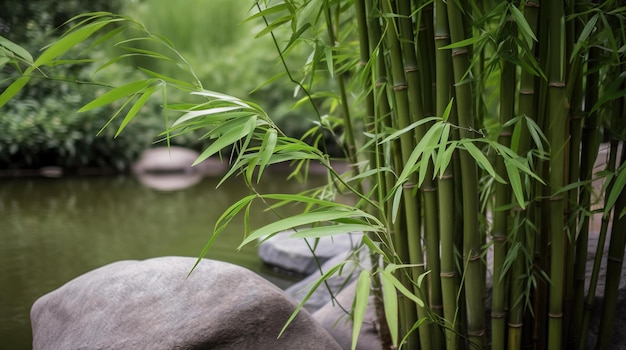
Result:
[[53, 230]]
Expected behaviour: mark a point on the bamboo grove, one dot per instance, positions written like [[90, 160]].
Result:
[[484, 121], [473, 129]]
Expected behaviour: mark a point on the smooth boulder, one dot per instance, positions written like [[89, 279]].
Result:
[[152, 304], [295, 255]]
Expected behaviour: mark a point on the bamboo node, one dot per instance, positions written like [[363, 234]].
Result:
[[555, 315], [442, 37], [526, 91], [531, 4], [478, 333], [408, 185], [410, 69], [516, 325], [447, 274], [459, 52], [429, 189], [556, 84], [498, 315], [400, 86], [445, 176], [505, 133]]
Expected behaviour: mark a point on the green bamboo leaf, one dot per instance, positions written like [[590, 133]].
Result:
[[360, 305], [409, 128], [374, 247], [584, 35], [228, 138], [66, 42], [390, 301], [522, 25], [204, 112], [616, 190], [400, 287], [117, 93], [13, 89], [269, 11], [267, 150], [332, 230], [467, 42], [311, 289], [132, 112], [178, 83], [297, 221], [481, 160], [395, 206], [17, 50], [515, 182]]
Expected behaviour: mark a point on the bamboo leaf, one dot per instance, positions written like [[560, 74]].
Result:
[[13, 89], [523, 25], [67, 42], [332, 230], [390, 301], [296, 221], [360, 305], [202, 113], [228, 138], [400, 287], [311, 289], [481, 160], [616, 190], [117, 93], [515, 182], [17, 50], [267, 150], [141, 101]]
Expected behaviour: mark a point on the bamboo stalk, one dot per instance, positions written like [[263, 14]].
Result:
[[411, 207], [446, 197], [520, 272], [415, 89], [474, 277], [557, 112], [590, 145], [502, 200], [373, 157]]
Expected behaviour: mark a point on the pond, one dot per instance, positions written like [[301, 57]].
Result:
[[54, 229]]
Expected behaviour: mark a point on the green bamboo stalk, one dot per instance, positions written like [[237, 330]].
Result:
[[527, 107], [617, 242], [590, 146], [597, 261], [406, 310], [539, 243], [589, 143], [415, 89], [615, 261], [411, 206], [502, 198], [373, 156], [557, 126], [350, 143], [474, 276], [446, 197]]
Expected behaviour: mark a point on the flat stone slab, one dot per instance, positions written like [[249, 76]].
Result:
[[151, 304], [296, 256]]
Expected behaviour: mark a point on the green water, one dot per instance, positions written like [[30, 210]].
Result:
[[53, 230]]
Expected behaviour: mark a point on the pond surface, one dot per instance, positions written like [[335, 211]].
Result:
[[54, 229]]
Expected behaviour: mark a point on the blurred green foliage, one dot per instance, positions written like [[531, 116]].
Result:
[[41, 126]]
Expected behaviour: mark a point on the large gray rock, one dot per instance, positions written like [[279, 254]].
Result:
[[151, 304], [295, 255]]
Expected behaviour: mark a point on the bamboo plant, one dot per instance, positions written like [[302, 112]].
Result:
[[470, 127]]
